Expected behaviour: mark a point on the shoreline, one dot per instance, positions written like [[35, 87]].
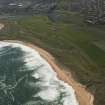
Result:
[[83, 96]]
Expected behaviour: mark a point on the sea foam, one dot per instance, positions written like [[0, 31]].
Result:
[[52, 89]]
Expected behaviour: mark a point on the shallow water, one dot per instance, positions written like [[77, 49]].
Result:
[[27, 79]]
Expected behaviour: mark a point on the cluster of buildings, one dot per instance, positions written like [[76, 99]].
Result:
[[94, 11]]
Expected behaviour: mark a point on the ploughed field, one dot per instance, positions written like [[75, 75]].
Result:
[[74, 44]]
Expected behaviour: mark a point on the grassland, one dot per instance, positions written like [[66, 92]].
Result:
[[76, 45]]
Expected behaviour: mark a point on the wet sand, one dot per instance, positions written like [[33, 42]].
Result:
[[83, 96]]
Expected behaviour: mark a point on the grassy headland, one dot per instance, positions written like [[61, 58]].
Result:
[[75, 45]]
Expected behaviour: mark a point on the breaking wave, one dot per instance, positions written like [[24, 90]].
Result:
[[27, 79]]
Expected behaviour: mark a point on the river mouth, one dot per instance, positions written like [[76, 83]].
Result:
[[28, 79]]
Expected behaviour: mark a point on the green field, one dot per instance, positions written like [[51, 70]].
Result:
[[75, 45]]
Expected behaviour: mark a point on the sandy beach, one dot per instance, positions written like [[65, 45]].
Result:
[[83, 96]]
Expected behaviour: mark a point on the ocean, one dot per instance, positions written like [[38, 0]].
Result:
[[28, 79]]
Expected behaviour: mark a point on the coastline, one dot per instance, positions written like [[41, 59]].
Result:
[[83, 96]]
